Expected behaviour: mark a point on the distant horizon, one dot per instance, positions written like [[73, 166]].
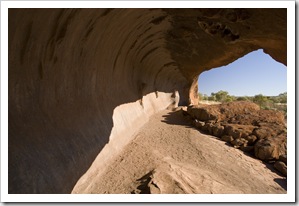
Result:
[[244, 95], [255, 73]]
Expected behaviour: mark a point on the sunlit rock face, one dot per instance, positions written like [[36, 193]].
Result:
[[81, 80]]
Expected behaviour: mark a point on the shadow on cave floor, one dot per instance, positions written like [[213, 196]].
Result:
[[177, 118], [271, 167], [282, 182], [143, 188]]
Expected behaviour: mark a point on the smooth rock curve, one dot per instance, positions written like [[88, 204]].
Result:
[[81, 80]]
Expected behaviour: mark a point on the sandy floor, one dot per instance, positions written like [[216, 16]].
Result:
[[169, 156]]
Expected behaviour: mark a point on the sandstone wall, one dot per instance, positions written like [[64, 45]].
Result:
[[84, 79]]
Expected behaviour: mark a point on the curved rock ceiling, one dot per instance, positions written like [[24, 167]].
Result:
[[82, 81]]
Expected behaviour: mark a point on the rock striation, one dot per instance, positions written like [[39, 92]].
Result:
[[82, 81]]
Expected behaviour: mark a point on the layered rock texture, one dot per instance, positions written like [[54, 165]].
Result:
[[83, 81]]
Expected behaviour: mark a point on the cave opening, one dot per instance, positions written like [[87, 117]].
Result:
[[71, 111], [253, 74]]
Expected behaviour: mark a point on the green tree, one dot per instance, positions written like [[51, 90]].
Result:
[[206, 97], [282, 98], [220, 96], [211, 98], [274, 99], [229, 98], [260, 99], [202, 96], [242, 98]]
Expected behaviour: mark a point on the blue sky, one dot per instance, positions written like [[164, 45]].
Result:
[[255, 73]]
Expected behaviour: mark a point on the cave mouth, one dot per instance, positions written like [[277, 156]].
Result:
[[65, 108], [253, 74]]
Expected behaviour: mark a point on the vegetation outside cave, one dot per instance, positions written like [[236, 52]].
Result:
[[278, 102], [255, 77]]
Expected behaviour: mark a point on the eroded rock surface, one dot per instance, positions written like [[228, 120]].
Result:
[[81, 82], [244, 125], [168, 156]]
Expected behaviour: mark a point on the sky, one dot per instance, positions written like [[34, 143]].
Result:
[[255, 73]]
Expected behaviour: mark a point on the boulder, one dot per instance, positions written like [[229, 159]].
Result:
[[245, 126], [281, 167], [283, 158], [217, 130], [227, 138], [262, 132], [258, 118], [270, 148], [250, 139], [198, 124], [239, 142], [201, 113], [238, 131], [234, 133], [223, 111], [267, 130]]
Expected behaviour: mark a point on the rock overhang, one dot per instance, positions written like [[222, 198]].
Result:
[[69, 69]]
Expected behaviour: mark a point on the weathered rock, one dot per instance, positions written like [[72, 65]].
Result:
[[250, 139], [239, 142], [201, 113], [238, 131], [227, 138], [217, 130], [283, 158], [268, 130], [222, 111], [271, 116], [198, 124], [281, 167], [209, 127], [243, 124], [231, 131], [272, 148], [75, 89], [247, 148], [262, 132], [264, 150], [259, 118]]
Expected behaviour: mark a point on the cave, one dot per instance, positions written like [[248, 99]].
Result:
[[82, 81]]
